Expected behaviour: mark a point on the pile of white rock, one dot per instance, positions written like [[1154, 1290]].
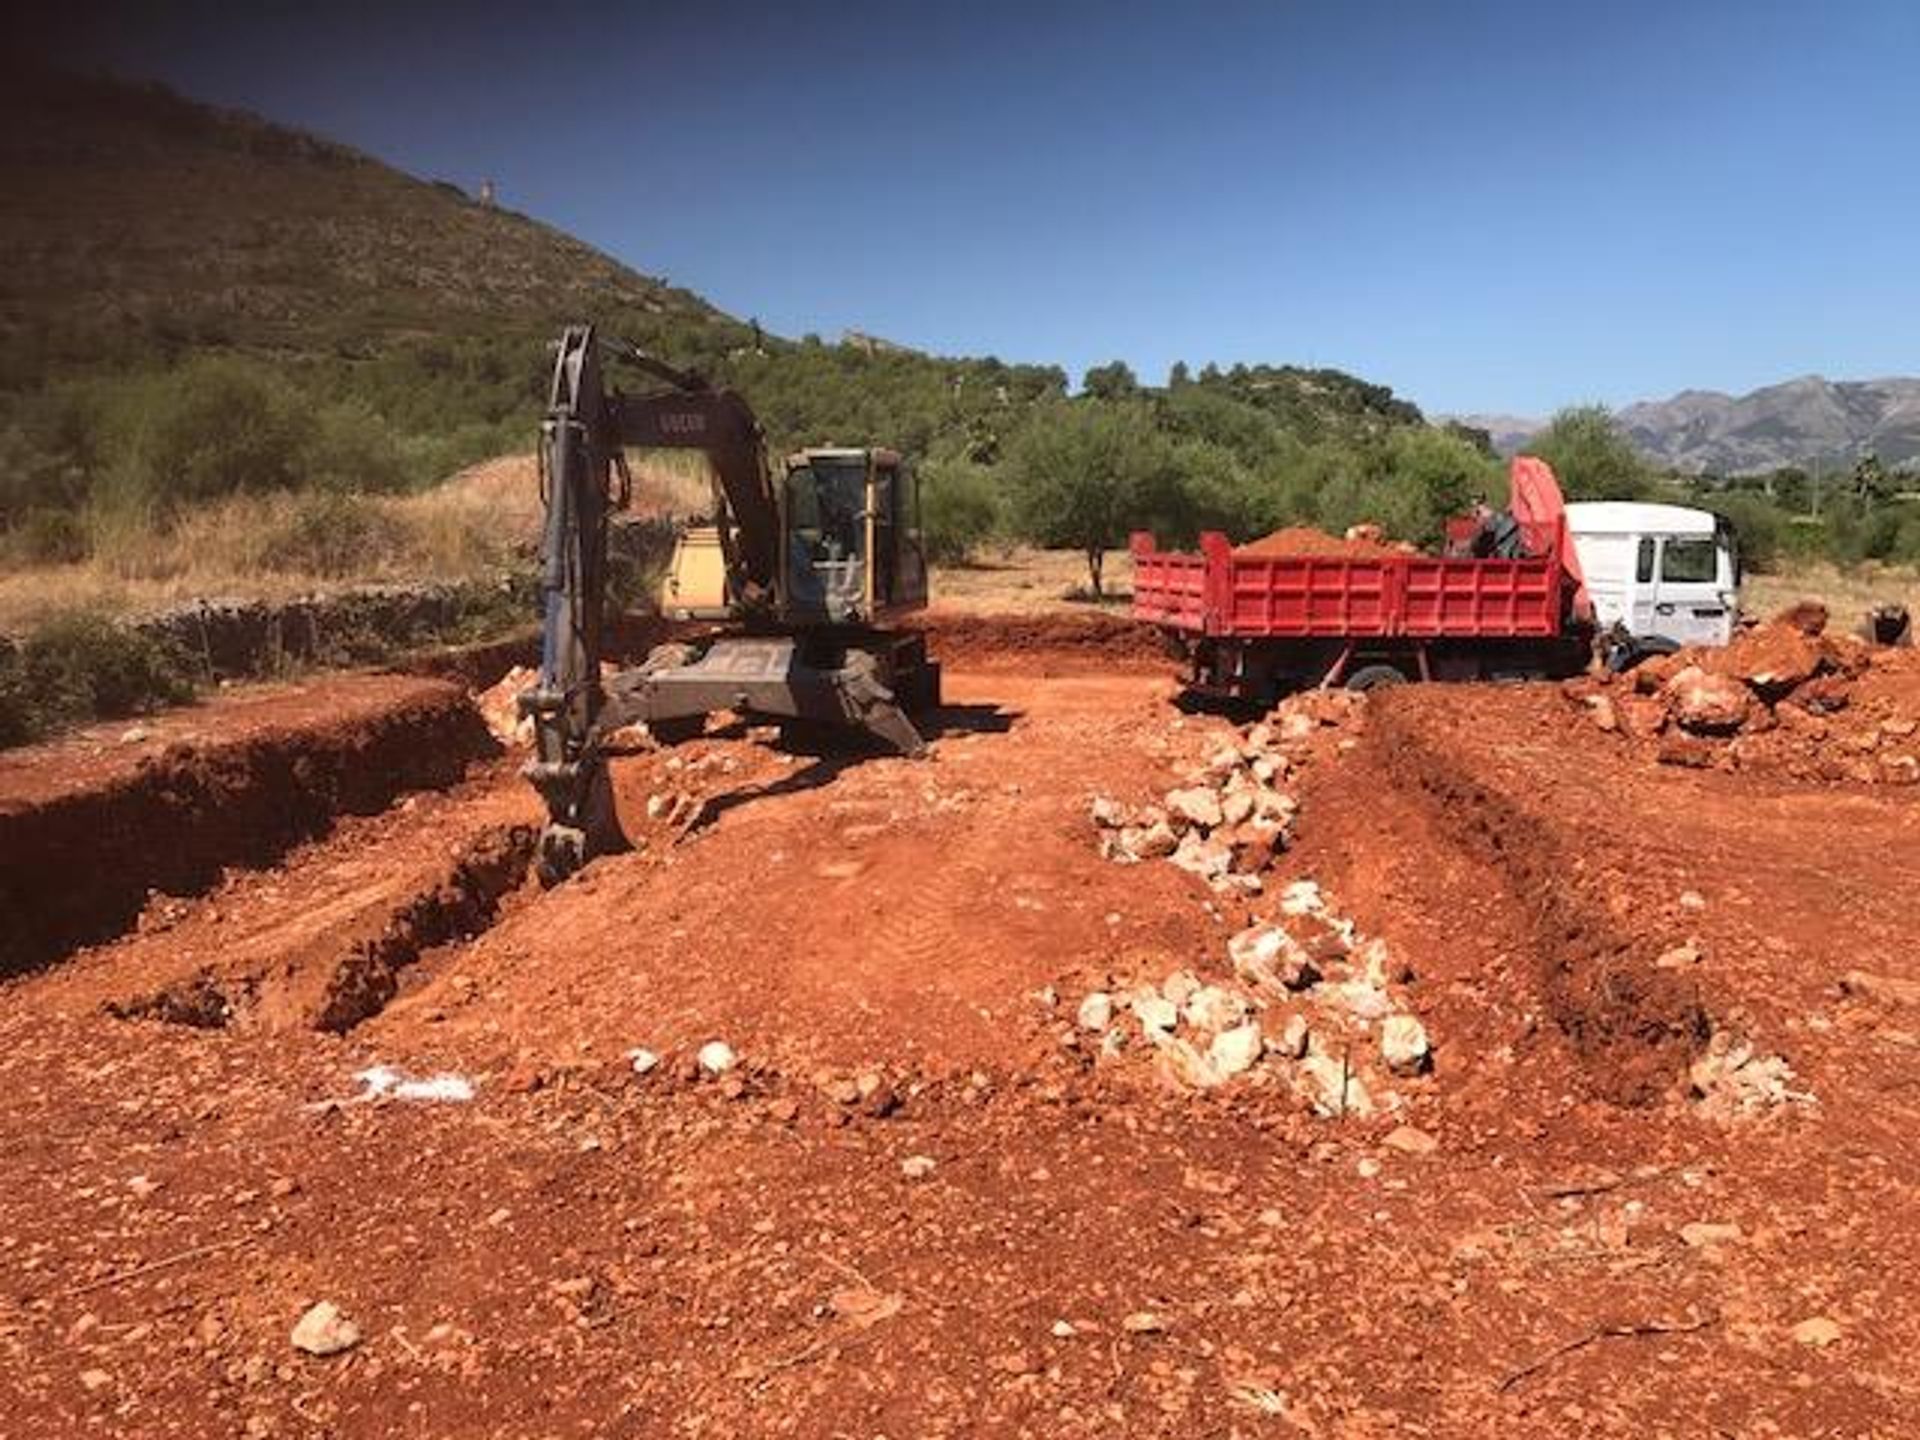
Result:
[[1310, 1005], [1225, 824]]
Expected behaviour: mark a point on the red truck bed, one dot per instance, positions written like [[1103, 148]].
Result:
[[1219, 593]]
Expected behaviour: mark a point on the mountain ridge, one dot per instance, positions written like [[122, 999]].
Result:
[[1808, 420]]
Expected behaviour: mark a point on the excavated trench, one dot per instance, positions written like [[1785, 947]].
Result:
[[351, 972], [79, 861], [1633, 1027]]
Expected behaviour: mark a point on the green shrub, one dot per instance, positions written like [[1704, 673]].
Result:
[[959, 509], [81, 667], [330, 534]]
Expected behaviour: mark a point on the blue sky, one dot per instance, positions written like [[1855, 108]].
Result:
[[1490, 207]]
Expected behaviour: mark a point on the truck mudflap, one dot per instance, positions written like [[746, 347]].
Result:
[[857, 686]]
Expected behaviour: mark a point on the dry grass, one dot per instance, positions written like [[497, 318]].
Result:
[[1847, 594], [277, 546], [1022, 580]]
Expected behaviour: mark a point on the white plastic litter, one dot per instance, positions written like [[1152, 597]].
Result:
[[384, 1081]]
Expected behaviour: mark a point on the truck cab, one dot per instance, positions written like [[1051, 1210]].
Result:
[[1668, 574]]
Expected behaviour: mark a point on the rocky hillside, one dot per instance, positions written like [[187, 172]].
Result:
[[1806, 421], [1809, 421]]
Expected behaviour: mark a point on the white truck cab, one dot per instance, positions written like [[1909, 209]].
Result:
[[1667, 573]]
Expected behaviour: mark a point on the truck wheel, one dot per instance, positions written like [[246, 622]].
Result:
[[1375, 677]]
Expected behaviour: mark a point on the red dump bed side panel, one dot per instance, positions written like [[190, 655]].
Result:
[[1421, 597], [1492, 598], [1309, 595], [1170, 589]]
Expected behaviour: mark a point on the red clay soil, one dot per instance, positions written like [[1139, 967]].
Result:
[[585, 1250], [1051, 644], [90, 824], [1304, 540]]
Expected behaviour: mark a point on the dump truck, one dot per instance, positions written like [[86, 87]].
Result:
[[1512, 598]]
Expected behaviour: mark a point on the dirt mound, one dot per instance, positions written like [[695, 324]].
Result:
[[1784, 697], [1304, 540]]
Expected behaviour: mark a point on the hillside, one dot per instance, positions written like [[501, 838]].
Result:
[[1805, 422], [140, 225]]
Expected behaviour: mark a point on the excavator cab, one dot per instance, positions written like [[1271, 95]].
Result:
[[851, 524], [850, 546]]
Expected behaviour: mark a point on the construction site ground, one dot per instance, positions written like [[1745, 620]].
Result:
[[919, 1202]]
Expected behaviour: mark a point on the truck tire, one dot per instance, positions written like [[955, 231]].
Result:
[[1375, 677]]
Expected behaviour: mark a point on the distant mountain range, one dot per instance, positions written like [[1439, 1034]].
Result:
[[1809, 421]]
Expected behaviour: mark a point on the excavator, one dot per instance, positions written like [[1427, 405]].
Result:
[[801, 579]]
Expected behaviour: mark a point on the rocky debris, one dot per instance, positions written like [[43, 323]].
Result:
[[716, 1057], [1229, 818], [1707, 704], [1254, 1026], [324, 1331], [1732, 1080], [643, 1060], [1235, 1051], [1095, 1012], [1784, 696], [917, 1167], [1817, 1332], [1404, 1048], [1409, 1140], [499, 707], [1705, 1234]]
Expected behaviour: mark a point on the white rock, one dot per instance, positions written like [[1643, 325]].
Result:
[[917, 1167], [1225, 760], [1108, 813], [1156, 1014], [1302, 897], [1275, 805], [1294, 1036], [1359, 997], [1202, 857], [1237, 1050], [323, 1330], [1157, 841], [1404, 1048], [1187, 1066], [1333, 1088], [1237, 808], [1270, 957], [1195, 805], [1096, 1011], [643, 1059], [716, 1057], [1180, 986], [1212, 1008]]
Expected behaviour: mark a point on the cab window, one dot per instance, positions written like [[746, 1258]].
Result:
[[1689, 562]]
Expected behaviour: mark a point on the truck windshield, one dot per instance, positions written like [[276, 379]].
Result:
[[1690, 561]]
